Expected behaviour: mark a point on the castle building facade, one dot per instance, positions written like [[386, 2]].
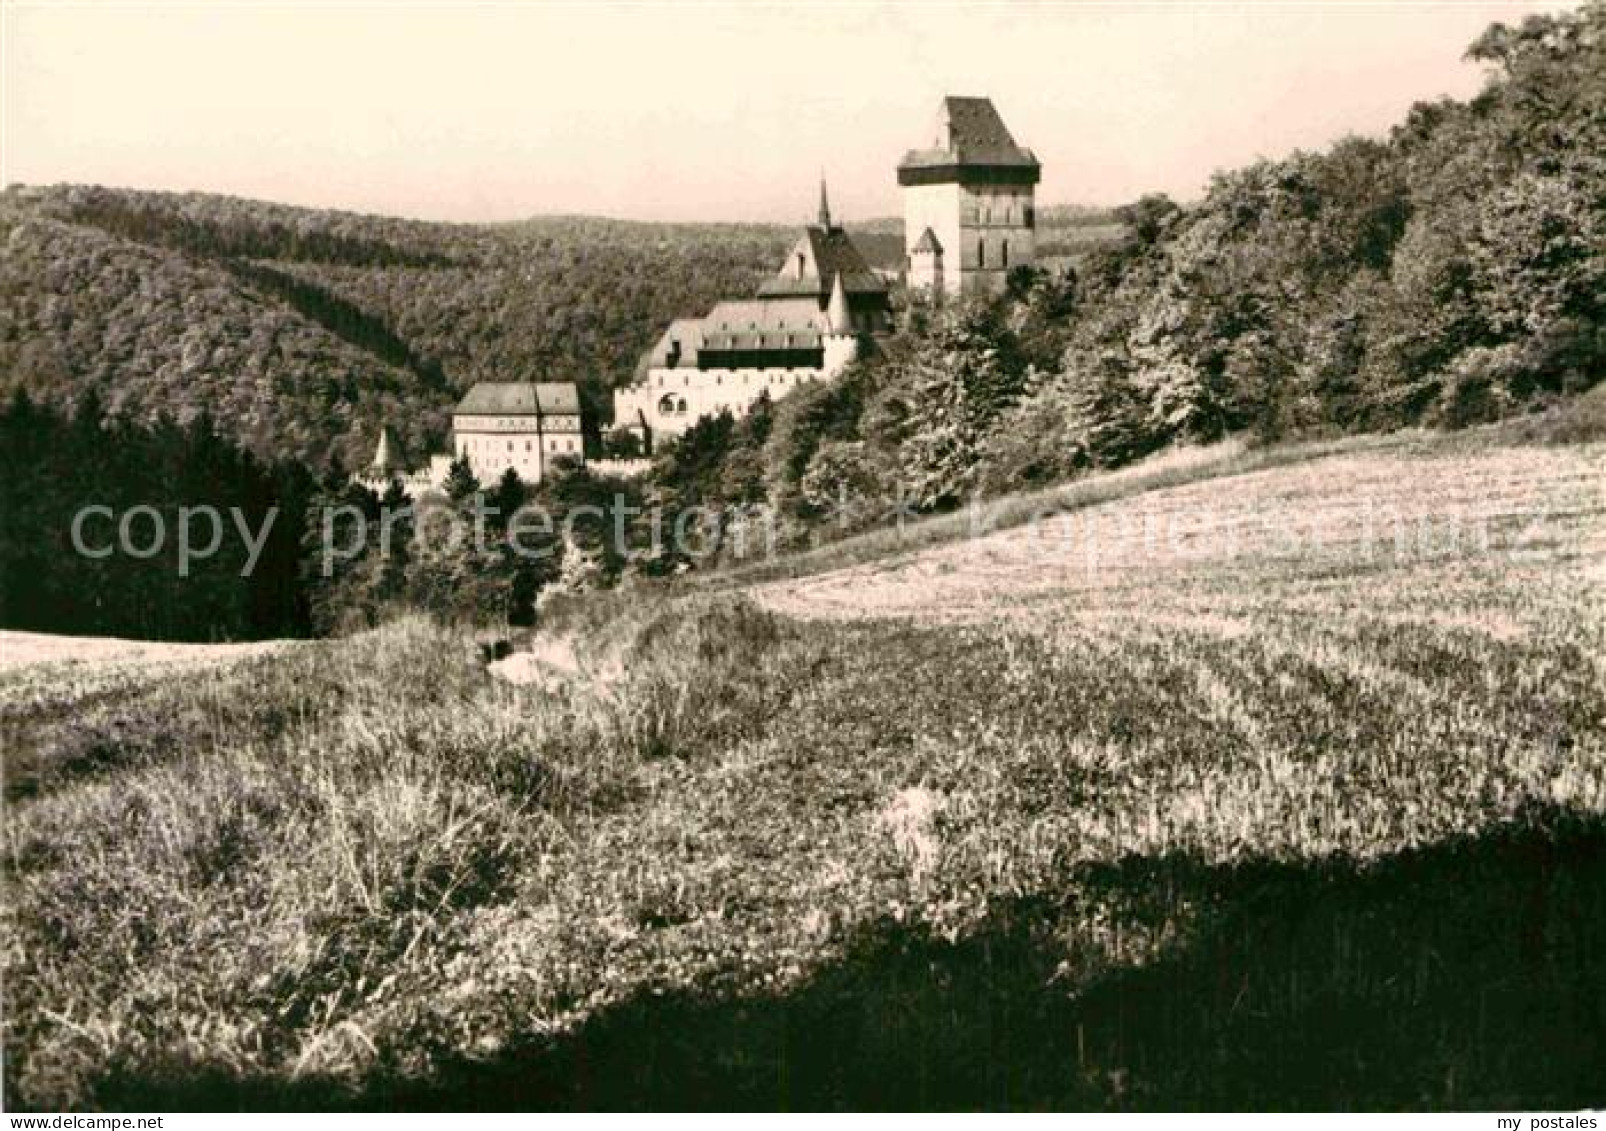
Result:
[[969, 202], [818, 312], [522, 425]]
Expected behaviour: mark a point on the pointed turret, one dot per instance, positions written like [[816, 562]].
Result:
[[838, 320], [388, 455], [825, 205]]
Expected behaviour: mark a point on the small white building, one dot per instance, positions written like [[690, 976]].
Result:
[[521, 425]]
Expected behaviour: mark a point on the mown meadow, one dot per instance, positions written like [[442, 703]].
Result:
[[1268, 829]]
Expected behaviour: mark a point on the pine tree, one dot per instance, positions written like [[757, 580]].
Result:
[[510, 494], [461, 485]]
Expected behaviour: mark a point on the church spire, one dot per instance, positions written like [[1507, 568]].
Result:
[[825, 205]]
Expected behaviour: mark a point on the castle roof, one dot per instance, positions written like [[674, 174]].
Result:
[[519, 398], [820, 255], [780, 323], [837, 318], [929, 242], [388, 456], [792, 311], [969, 141]]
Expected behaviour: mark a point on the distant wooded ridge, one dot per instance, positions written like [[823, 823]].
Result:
[[304, 329]]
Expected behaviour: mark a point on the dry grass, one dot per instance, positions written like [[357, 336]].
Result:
[[1576, 423], [351, 870]]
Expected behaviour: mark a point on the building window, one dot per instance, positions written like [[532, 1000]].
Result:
[[1004, 254], [682, 407], [666, 406], [981, 252]]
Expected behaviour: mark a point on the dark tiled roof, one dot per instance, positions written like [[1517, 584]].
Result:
[[826, 252], [969, 132], [519, 398], [883, 251]]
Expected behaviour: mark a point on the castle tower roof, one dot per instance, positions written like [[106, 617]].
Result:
[[929, 243], [971, 143], [825, 206], [388, 456], [837, 318]]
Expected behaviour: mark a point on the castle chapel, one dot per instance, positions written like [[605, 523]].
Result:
[[969, 219], [817, 313]]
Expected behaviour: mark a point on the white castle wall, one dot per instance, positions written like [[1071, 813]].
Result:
[[672, 400]]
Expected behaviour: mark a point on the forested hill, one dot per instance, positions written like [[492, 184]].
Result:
[[300, 330]]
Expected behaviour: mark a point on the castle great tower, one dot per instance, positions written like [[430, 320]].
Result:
[[969, 212]]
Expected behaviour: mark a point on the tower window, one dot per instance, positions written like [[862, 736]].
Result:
[[1004, 254], [981, 252]]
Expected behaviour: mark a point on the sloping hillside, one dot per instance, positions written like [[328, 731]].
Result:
[[1405, 516], [300, 330], [1273, 823]]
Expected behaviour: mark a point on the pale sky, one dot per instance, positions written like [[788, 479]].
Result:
[[498, 110]]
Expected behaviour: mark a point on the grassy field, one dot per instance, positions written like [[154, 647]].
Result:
[[1254, 804]]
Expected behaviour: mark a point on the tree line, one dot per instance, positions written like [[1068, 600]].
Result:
[[91, 514], [1451, 274]]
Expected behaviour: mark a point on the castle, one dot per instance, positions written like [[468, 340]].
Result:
[[969, 218], [812, 317], [969, 214]]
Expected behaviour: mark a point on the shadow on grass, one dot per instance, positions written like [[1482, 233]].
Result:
[[1470, 975]]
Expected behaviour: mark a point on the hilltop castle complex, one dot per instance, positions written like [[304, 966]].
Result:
[[968, 218]]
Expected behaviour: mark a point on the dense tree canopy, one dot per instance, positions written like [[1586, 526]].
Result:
[[1452, 273]]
